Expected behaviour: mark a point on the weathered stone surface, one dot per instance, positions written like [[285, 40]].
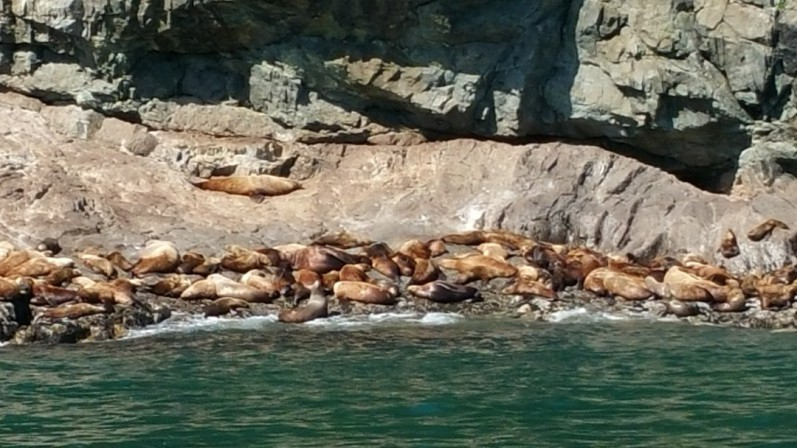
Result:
[[681, 80], [85, 191]]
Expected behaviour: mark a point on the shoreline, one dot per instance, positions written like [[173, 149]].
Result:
[[102, 296]]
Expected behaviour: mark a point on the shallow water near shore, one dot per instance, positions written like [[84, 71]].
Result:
[[406, 380]]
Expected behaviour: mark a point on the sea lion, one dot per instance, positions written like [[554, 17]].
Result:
[[736, 302], [172, 285], [341, 239], [39, 267], [157, 256], [321, 259], [478, 267], [15, 259], [19, 293], [436, 247], [240, 259], [76, 311], [776, 296], [363, 292], [354, 273], [49, 245], [98, 264], [48, 295], [316, 307], [273, 285], [119, 260], [764, 229], [405, 263], [603, 281], [217, 285], [425, 272], [525, 286], [729, 247], [224, 305], [494, 250], [416, 249], [682, 309], [119, 291], [685, 285], [257, 187], [61, 275], [386, 267], [189, 261], [443, 292], [209, 266], [307, 277], [470, 238], [329, 279]]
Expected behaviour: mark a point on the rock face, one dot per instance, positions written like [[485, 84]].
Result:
[[91, 191], [682, 84]]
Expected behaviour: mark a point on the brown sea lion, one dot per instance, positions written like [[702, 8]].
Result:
[[764, 229], [39, 267], [603, 281], [729, 247], [224, 305], [405, 263], [210, 266], [354, 273], [307, 277], [321, 259], [416, 249], [190, 260], [49, 245], [425, 272], [363, 292], [48, 295], [443, 292], [478, 267], [316, 307], [685, 285], [157, 256], [682, 309], [119, 261], [171, 285], [61, 275], [257, 187], [736, 302], [10, 288], [525, 286], [240, 259], [98, 264], [217, 285], [714, 274], [342, 240], [329, 279], [75, 311], [688, 292], [494, 250], [470, 238], [436, 247], [273, 285], [776, 296], [119, 291], [15, 259]]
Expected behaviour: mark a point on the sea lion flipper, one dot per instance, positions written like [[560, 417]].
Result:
[[257, 198]]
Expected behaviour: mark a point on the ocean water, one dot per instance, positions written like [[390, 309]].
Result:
[[406, 380]]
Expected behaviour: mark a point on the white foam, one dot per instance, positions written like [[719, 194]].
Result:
[[186, 323], [581, 315], [3, 344]]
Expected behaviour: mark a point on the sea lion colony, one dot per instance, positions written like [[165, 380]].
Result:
[[45, 287]]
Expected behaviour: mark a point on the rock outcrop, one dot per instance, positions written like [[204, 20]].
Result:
[[94, 191], [684, 84]]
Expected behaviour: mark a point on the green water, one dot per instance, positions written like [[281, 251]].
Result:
[[467, 383]]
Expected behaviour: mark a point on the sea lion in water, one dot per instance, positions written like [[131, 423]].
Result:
[[478, 267], [224, 305], [364, 292], [257, 187], [764, 229], [729, 247], [316, 307], [157, 256], [443, 292]]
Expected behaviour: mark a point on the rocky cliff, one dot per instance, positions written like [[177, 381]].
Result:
[[402, 117]]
